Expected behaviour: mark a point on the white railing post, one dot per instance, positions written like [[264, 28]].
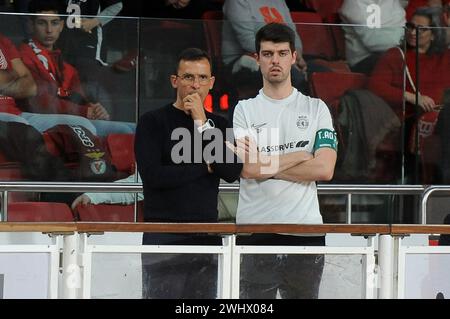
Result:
[[397, 276], [235, 269], [224, 269], [71, 269], [54, 267], [86, 267], [386, 265], [368, 273]]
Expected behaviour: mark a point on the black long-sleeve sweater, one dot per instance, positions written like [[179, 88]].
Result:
[[183, 192]]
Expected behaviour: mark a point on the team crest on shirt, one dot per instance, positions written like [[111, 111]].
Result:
[[3, 62], [302, 122]]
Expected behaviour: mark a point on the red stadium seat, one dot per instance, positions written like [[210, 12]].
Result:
[[317, 39], [39, 212], [212, 22], [10, 171], [330, 86], [108, 213], [339, 41], [325, 8], [121, 149]]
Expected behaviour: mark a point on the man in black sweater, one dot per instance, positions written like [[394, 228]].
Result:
[[181, 181]]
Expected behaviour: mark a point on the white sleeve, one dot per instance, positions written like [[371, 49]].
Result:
[[109, 13], [240, 127], [117, 198], [325, 119]]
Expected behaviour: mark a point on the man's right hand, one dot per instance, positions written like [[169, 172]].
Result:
[[96, 111], [194, 105], [80, 200]]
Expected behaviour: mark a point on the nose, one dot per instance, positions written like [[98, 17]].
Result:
[[275, 59], [196, 82]]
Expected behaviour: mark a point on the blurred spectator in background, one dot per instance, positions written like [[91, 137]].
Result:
[[59, 88], [446, 16], [413, 5], [84, 42], [162, 9], [179, 9], [83, 46], [110, 198], [387, 79], [243, 18], [364, 44], [17, 83]]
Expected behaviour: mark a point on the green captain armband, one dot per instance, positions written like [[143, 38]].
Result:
[[325, 138]]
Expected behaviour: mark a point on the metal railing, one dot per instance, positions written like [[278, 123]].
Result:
[[426, 195], [337, 189], [379, 279]]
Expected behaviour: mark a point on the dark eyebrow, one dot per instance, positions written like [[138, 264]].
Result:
[[51, 20]]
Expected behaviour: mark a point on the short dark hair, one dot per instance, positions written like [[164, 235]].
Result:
[[36, 6], [193, 54], [277, 33]]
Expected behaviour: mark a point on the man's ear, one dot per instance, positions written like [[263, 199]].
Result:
[[173, 81], [213, 79], [256, 56]]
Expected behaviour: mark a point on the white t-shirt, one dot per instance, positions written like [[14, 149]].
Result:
[[279, 127]]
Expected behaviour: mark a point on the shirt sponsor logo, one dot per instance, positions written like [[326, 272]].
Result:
[[258, 127], [283, 147]]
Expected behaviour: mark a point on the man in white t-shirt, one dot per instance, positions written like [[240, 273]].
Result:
[[287, 142]]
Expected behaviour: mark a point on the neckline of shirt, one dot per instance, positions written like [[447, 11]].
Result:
[[284, 101]]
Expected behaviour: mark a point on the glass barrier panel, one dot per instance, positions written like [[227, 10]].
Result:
[[24, 275], [426, 276], [154, 276], [302, 276]]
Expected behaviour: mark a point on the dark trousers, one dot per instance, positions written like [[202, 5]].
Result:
[[185, 276], [294, 276]]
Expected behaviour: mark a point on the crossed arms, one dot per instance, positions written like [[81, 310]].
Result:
[[298, 166]]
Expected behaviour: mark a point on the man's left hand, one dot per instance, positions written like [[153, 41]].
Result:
[[87, 24]]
